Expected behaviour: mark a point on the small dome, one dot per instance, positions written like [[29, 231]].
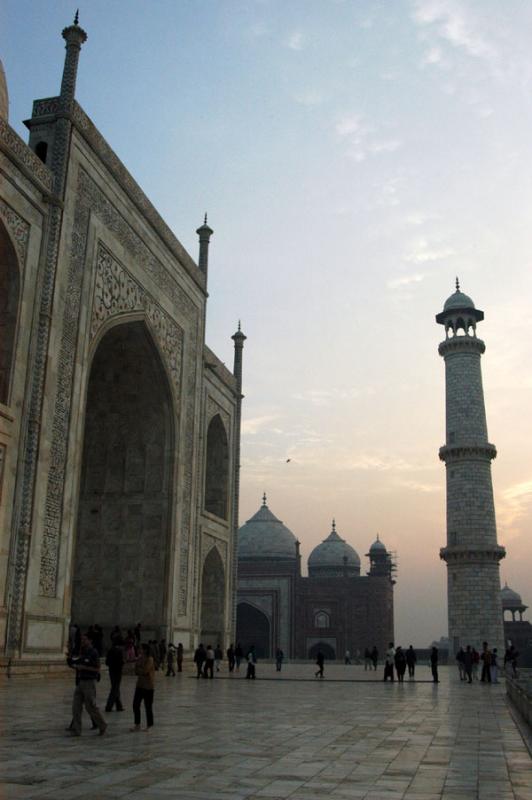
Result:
[[333, 558], [4, 96], [265, 537], [458, 300], [510, 599], [377, 546]]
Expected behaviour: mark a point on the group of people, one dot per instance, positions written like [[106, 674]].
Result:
[[401, 660], [469, 660], [371, 658], [208, 660]]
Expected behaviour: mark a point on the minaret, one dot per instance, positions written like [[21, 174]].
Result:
[[239, 338], [472, 554], [204, 233]]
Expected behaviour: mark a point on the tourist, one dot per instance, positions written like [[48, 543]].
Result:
[[468, 663], [251, 659], [279, 656], [145, 672], [231, 657], [87, 666], [199, 659], [460, 662], [510, 661], [180, 654], [400, 663], [368, 663], [116, 633], [208, 669], [98, 639], [239, 655], [131, 653], [154, 652], [476, 662], [115, 662], [411, 661], [170, 661], [434, 664], [347, 658], [320, 662], [162, 652], [389, 660], [494, 666], [485, 657], [375, 657], [74, 640], [218, 657]]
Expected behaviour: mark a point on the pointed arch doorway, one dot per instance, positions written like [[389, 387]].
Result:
[[123, 526], [213, 599]]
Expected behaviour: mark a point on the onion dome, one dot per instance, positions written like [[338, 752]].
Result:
[[459, 303], [510, 599], [4, 95], [265, 537], [377, 547], [333, 558]]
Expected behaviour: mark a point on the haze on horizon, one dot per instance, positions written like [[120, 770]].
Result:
[[354, 157]]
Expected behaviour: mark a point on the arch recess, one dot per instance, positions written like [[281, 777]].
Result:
[[253, 627], [213, 599], [9, 303], [217, 469]]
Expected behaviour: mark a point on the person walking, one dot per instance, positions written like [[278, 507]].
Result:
[[347, 658], [400, 664], [320, 663], [389, 660], [494, 666], [468, 663], [231, 657], [170, 661], [218, 657], [87, 666], [375, 658], [411, 661], [162, 652], [251, 659], [115, 662], [179, 656], [199, 659], [476, 662], [460, 662], [279, 656], [208, 669], [485, 657], [367, 660], [144, 690], [239, 655], [434, 664]]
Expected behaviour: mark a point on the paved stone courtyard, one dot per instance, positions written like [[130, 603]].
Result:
[[288, 736]]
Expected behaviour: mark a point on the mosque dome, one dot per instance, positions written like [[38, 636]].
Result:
[[458, 300], [377, 547], [510, 599], [333, 558], [265, 537], [4, 96]]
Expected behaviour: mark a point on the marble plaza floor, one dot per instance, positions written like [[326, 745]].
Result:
[[286, 737]]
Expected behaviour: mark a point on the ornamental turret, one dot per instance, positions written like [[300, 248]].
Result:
[[472, 554]]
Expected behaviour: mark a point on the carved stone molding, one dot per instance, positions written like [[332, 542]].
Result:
[[91, 200], [207, 543], [214, 408], [19, 150], [462, 452], [116, 292], [18, 228]]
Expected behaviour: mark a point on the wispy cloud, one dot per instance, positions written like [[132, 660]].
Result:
[[363, 139], [455, 25], [516, 504], [422, 251], [296, 41], [396, 283], [420, 217], [309, 98], [252, 426]]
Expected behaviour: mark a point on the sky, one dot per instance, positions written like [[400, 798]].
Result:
[[353, 157]]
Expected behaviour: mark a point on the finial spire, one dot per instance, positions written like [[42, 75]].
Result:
[[334, 525], [239, 328], [264, 500], [457, 284], [205, 220], [76, 17]]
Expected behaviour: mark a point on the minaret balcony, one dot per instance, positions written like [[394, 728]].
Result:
[[466, 451], [472, 552], [460, 344]]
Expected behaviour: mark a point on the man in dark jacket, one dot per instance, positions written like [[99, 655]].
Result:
[[115, 662], [87, 666], [200, 656], [411, 660]]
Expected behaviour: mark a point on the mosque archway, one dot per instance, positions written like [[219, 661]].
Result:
[[123, 530], [253, 627], [212, 599], [9, 301], [328, 651], [217, 468]]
